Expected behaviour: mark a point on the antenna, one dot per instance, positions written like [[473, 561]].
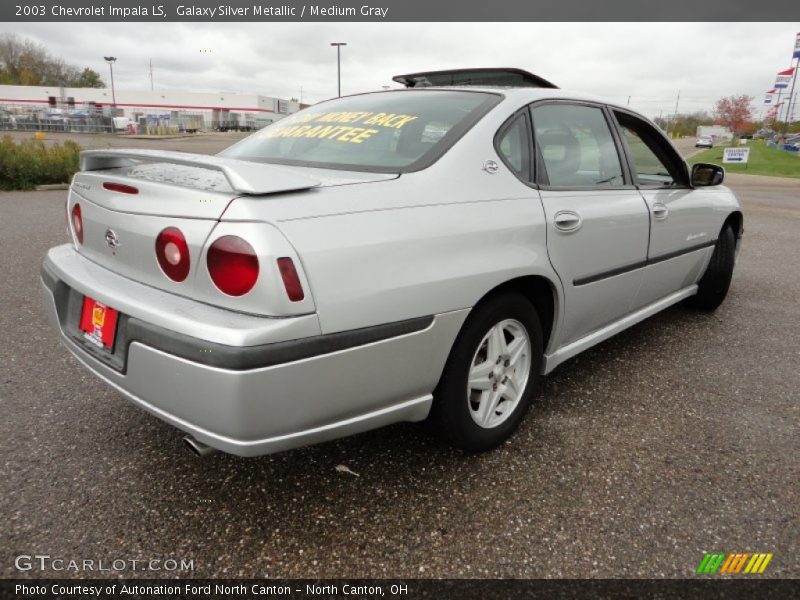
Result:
[[151, 74]]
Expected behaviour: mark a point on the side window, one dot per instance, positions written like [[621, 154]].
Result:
[[652, 160], [577, 146], [514, 147]]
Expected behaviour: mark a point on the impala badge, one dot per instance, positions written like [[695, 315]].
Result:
[[111, 239]]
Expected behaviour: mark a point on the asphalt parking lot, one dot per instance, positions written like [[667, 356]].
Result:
[[204, 143], [677, 437]]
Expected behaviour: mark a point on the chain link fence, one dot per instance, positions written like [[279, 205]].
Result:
[[20, 117], [25, 118]]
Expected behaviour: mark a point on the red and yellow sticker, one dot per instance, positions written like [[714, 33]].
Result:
[[356, 127]]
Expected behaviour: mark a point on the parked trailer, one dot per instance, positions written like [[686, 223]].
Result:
[[187, 122]]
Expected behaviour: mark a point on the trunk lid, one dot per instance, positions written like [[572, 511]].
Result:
[[127, 198], [160, 190]]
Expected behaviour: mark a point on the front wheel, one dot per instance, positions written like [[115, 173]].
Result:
[[713, 286], [488, 380]]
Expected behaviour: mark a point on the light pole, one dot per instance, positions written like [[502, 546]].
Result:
[[111, 60], [339, 65]]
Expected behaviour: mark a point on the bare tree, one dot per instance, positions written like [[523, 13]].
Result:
[[23, 62]]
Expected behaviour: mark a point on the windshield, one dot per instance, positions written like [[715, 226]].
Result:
[[389, 131]]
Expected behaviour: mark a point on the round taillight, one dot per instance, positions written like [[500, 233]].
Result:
[[172, 253], [233, 265], [77, 223]]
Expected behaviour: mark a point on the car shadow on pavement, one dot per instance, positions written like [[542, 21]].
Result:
[[411, 451]]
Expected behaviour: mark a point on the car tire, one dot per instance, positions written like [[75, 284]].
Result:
[[462, 410], [713, 286]]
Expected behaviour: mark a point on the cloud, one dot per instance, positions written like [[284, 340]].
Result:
[[650, 62]]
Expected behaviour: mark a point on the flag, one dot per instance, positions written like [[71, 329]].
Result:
[[784, 78], [796, 46]]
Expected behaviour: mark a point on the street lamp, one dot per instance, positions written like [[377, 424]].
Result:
[[111, 60], [339, 64]]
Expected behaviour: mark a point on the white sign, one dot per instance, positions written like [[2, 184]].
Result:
[[796, 47], [736, 155]]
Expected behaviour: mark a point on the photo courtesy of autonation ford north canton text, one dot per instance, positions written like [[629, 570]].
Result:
[[399, 299]]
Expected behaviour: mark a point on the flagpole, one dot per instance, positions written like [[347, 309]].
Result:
[[795, 55], [791, 94]]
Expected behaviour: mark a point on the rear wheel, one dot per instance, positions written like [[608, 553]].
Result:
[[713, 286], [488, 380]]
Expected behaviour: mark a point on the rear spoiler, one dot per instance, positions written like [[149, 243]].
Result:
[[244, 177], [489, 77]]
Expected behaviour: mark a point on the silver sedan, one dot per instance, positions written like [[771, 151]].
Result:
[[425, 253]]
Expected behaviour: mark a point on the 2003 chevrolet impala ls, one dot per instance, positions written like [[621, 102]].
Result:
[[420, 253]]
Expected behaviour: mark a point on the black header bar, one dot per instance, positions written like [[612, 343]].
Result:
[[400, 10]]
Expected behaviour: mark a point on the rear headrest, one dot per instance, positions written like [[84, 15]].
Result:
[[562, 152]]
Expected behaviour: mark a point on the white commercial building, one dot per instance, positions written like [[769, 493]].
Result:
[[216, 110]]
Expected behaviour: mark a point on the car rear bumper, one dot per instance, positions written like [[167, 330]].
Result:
[[309, 389]]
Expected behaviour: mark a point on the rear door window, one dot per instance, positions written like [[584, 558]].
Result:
[[576, 146]]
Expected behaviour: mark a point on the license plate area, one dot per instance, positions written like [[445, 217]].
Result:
[[98, 324], [114, 353]]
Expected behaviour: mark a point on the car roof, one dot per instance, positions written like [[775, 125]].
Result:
[[523, 94], [518, 84]]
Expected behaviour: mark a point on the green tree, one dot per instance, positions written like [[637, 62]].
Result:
[[89, 78]]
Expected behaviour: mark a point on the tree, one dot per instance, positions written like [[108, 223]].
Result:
[[735, 113], [89, 78], [684, 124], [23, 62]]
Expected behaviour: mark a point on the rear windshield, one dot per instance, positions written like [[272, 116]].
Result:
[[389, 131]]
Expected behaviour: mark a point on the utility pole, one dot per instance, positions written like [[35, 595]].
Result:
[[151, 74], [675, 116], [629, 100], [339, 65], [111, 60]]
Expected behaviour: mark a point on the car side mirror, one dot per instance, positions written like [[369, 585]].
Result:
[[704, 174]]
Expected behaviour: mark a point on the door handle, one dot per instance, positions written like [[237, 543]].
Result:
[[567, 220], [660, 211]]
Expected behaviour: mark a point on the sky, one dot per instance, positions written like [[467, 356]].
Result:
[[650, 62]]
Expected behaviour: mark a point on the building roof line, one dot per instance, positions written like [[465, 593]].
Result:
[[145, 105]]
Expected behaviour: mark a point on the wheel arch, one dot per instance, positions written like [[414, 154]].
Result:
[[735, 220], [541, 292]]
